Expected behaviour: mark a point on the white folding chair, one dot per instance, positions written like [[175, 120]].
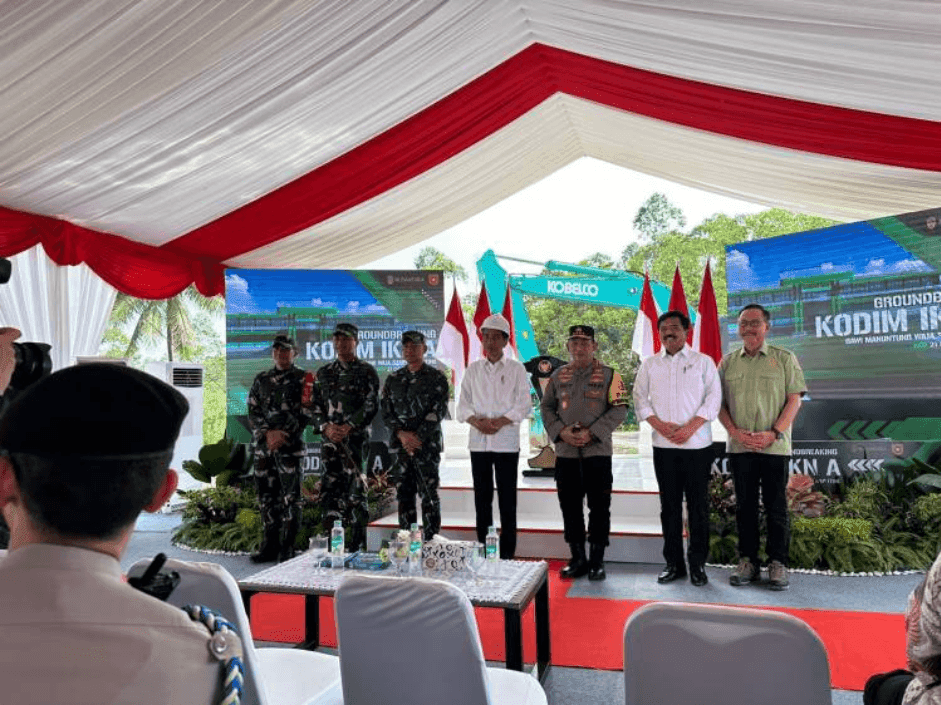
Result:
[[415, 641], [273, 676], [681, 654]]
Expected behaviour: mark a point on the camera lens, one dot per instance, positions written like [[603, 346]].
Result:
[[32, 364]]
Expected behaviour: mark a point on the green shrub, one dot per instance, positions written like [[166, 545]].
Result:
[[834, 543]]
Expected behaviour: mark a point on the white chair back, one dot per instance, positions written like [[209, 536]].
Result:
[[211, 585], [677, 653], [409, 641]]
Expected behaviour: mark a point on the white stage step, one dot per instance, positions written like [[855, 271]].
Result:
[[635, 524]]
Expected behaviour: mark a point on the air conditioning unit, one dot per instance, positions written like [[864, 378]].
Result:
[[186, 378], [84, 360]]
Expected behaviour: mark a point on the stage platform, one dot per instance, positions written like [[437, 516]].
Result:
[[635, 505]]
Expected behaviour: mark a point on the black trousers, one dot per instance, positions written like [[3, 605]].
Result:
[[577, 479], [684, 472], [505, 466], [754, 474]]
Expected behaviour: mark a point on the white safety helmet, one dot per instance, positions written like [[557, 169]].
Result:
[[496, 322]]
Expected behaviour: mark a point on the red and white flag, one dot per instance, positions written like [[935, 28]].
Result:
[[678, 301], [454, 342], [480, 314], [510, 350], [706, 335], [646, 336]]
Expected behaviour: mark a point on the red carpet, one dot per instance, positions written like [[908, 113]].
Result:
[[588, 632]]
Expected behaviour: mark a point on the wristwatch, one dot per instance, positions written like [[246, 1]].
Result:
[[777, 433]]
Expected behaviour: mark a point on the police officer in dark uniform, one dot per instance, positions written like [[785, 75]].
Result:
[[582, 405], [342, 399], [414, 402], [277, 421]]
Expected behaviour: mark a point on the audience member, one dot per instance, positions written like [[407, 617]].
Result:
[[82, 453]]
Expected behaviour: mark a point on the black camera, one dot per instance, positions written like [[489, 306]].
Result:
[[32, 359]]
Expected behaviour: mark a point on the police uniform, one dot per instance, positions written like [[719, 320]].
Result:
[[417, 402], [344, 393], [274, 403], [71, 630], [591, 397]]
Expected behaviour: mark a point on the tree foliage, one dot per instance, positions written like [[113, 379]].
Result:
[[155, 321], [431, 258], [182, 329], [658, 216], [707, 241]]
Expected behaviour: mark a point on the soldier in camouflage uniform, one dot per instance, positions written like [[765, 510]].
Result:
[[414, 402], [277, 421], [342, 399]]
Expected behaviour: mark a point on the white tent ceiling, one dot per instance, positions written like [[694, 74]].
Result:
[[326, 134]]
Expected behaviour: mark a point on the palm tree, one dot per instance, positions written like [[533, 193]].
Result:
[[163, 319]]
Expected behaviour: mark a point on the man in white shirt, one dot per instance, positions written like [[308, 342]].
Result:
[[677, 391], [494, 400]]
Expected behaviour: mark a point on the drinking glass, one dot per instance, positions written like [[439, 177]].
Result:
[[398, 552], [474, 559], [318, 550]]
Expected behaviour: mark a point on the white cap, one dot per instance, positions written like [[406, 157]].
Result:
[[496, 322]]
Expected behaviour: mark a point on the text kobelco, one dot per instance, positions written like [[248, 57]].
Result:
[[560, 286]]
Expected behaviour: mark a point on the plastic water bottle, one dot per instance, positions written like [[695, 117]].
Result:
[[337, 544], [414, 550], [492, 546]]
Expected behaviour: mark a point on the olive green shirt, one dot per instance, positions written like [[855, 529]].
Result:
[[755, 390]]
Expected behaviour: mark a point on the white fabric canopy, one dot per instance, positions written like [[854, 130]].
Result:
[[153, 119]]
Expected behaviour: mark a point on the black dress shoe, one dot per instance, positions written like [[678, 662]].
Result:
[[264, 556], [575, 569], [596, 572], [671, 573], [697, 575]]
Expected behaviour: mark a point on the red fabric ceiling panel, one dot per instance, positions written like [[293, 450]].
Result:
[[454, 124]]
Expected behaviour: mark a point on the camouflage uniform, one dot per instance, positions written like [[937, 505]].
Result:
[[344, 393], [274, 403], [417, 402]]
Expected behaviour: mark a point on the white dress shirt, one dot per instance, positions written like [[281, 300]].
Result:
[[675, 388], [491, 390]]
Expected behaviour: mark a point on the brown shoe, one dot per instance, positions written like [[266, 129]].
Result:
[[745, 572], [777, 574]]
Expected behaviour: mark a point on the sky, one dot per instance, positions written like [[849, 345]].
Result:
[[585, 207], [859, 248]]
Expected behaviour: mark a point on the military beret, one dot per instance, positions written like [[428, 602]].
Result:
[[94, 411], [347, 329], [586, 332], [284, 341], [413, 336]]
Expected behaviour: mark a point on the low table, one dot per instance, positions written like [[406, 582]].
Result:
[[515, 585]]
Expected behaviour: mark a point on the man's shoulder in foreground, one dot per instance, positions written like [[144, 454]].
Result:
[[73, 631]]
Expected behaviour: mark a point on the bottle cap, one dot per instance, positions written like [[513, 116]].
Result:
[[414, 527], [338, 522]]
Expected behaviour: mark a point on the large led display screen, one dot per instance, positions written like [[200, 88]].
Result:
[[307, 305]]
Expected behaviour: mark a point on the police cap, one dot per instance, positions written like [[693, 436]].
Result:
[[99, 410], [581, 331]]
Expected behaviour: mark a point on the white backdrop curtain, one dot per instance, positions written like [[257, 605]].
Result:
[[67, 307]]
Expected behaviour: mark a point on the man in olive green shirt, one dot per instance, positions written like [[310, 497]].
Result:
[[761, 394]]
